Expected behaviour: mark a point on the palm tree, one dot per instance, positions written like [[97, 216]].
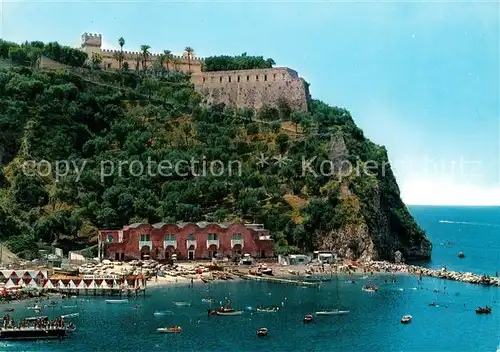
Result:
[[177, 64], [121, 42], [145, 55], [167, 57], [188, 54]]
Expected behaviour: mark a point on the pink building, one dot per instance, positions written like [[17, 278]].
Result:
[[201, 240]]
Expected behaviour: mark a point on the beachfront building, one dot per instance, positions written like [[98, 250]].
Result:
[[189, 241]]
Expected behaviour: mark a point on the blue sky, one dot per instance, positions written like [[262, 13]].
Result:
[[420, 78]]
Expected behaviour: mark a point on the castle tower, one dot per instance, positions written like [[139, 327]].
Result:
[[91, 43]]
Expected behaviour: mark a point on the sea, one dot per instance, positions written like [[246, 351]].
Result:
[[373, 323]]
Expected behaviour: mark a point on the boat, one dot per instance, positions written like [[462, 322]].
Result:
[[68, 307], [10, 310], [308, 319], [208, 300], [164, 312], [262, 332], [433, 304], [406, 319], [70, 328], [483, 310], [228, 312], [461, 255], [333, 312], [370, 288], [268, 309], [116, 301], [174, 329], [35, 307], [181, 304], [71, 315], [43, 317]]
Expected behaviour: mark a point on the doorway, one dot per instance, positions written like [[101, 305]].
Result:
[[191, 255]]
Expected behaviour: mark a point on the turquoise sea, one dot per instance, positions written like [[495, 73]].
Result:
[[372, 325]]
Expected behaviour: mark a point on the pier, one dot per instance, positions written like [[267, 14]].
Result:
[[98, 291], [280, 280]]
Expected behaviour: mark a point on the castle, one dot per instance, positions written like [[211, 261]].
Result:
[[243, 88]]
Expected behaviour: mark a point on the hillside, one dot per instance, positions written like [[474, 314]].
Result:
[[97, 120]]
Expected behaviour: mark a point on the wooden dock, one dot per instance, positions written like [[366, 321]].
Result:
[[280, 280]]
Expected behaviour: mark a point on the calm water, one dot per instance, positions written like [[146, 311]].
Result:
[[372, 325]]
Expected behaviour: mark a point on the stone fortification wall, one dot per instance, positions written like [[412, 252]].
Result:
[[253, 88]]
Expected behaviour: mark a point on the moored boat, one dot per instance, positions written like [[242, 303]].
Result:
[[333, 312], [370, 288], [71, 315], [10, 310], [181, 304], [163, 312], [268, 309], [116, 301], [406, 319], [70, 328], [170, 329], [208, 300], [228, 312], [308, 319], [262, 332], [32, 334]]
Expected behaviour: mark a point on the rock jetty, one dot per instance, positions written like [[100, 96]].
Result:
[[468, 277]]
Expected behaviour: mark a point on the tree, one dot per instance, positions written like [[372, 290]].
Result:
[[188, 54], [121, 42], [167, 58], [118, 56], [296, 118], [187, 131], [96, 60], [145, 56], [282, 141]]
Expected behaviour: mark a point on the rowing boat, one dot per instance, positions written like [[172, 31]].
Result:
[[333, 312], [169, 329], [116, 301], [229, 312], [182, 304]]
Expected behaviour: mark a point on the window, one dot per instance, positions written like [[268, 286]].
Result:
[[203, 79], [220, 78], [144, 238], [110, 239], [191, 237], [265, 77], [172, 237], [212, 236], [238, 78], [236, 236], [274, 77], [257, 78], [239, 236], [229, 79], [248, 78]]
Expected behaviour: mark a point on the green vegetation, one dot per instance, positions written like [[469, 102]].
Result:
[[112, 117], [241, 62]]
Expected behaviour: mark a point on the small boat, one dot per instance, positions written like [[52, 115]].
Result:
[[262, 332], [370, 288], [208, 300], [164, 312], [35, 307], [116, 301], [169, 329], [268, 309], [433, 304], [228, 312], [181, 304], [68, 307], [334, 312], [70, 328], [406, 319], [71, 315], [461, 255], [36, 318], [308, 319], [485, 310], [10, 310]]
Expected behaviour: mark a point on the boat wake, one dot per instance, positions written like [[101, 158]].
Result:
[[468, 223]]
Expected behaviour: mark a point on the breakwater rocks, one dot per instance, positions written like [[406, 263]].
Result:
[[471, 278]]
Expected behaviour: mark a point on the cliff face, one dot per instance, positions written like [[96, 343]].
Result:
[[379, 223]]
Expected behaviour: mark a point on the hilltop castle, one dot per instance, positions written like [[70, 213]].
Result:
[[243, 88]]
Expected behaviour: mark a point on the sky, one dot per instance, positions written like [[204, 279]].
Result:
[[420, 78]]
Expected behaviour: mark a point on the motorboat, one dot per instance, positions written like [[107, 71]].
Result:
[[370, 288], [268, 309], [70, 328], [308, 319], [406, 319], [68, 307], [10, 310], [181, 304], [433, 304], [262, 332], [208, 300], [483, 310], [35, 307], [171, 329], [32, 334], [71, 315], [44, 317], [461, 255], [333, 312]]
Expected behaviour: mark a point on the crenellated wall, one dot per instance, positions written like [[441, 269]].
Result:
[[91, 43], [253, 88], [242, 88]]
